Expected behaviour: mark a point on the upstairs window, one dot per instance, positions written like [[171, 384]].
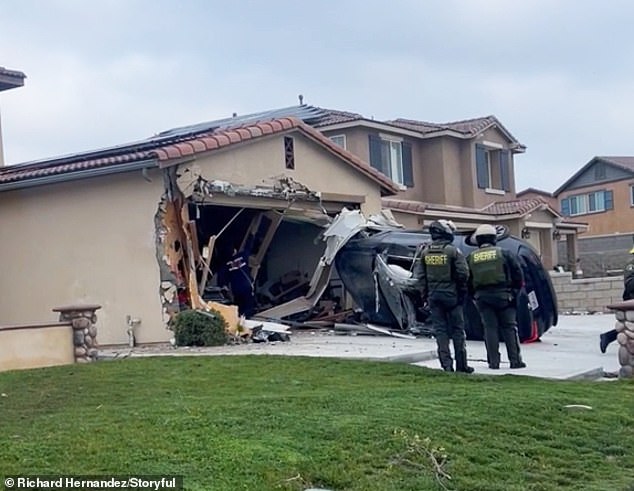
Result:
[[493, 168], [632, 195], [393, 157], [339, 140], [582, 204]]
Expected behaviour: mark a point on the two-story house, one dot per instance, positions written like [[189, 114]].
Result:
[[601, 193], [9, 79], [463, 171]]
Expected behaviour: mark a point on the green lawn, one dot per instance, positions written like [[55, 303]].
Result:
[[266, 423]]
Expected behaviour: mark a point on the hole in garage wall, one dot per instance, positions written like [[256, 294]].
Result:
[[287, 263]]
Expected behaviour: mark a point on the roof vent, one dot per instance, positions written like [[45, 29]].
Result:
[[301, 99]]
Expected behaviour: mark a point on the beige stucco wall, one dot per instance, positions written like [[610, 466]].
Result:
[[429, 173], [258, 162], [89, 241], [357, 141], [618, 220], [31, 347]]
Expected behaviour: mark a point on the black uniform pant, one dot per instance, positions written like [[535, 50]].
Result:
[[498, 315], [448, 323]]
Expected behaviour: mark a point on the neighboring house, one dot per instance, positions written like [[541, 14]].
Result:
[[539, 193], [601, 194], [9, 79], [127, 227]]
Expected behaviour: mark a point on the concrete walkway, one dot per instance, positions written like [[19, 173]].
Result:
[[567, 351]]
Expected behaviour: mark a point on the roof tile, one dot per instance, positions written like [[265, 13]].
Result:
[[198, 145], [166, 149], [517, 206]]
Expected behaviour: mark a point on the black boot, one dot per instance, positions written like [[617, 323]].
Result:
[[519, 364], [461, 361], [603, 343]]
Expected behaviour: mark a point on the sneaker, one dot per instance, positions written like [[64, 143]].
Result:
[[448, 369], [521, 364], [603, 343]]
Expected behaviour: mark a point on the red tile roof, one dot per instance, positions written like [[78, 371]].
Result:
[[166, 150], [515, 207], [24, 172], [468, 128]]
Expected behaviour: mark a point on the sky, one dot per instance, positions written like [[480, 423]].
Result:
[[556, 73]]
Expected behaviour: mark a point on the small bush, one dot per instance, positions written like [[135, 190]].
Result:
[[198, 328]]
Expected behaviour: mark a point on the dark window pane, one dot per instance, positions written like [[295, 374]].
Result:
[[375, 153], [565, 207], [609, 200], [408, 171], [504, 170], [482, 167]]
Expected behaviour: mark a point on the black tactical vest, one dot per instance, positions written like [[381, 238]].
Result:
[[487, 267], [437, 263]]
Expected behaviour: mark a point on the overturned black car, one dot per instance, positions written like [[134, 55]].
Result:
[[376, 270]]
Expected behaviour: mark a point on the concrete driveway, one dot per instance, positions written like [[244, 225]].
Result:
[[567, 351]]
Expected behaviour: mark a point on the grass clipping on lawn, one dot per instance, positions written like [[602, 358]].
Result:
[[267, 422]]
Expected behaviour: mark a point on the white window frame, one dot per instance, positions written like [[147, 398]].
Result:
[[580, 199], [395, 158], [631, 194], [490, 148], [584, 200], [342, 137]]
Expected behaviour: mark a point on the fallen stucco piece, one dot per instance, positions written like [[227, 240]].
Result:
[[230, 314], [266, 325]]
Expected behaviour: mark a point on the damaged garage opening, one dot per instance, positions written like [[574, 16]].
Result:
[[279, 226]]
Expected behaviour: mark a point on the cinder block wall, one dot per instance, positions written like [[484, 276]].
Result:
[[586, 294]]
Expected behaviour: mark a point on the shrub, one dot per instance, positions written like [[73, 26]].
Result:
[[199, 328]]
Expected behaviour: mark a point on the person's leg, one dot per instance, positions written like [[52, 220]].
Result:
[[606, 338], [439, 322], [459, 338], [508, 327], [491, 336]]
